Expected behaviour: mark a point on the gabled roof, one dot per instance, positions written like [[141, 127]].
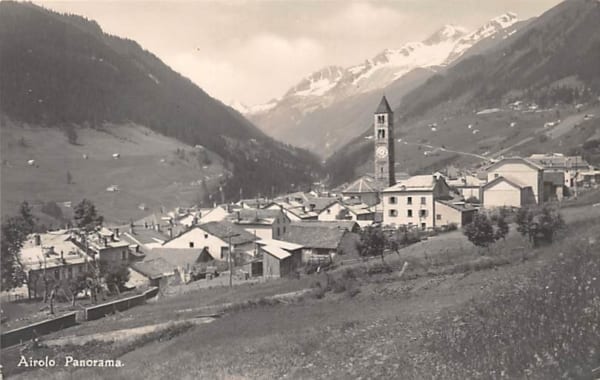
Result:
[[314, 236], [384, 106], [364, 184], [521, 160], [280, 243], [276, 252], [154, 268], [415, 183], [180, 257], [460, 206], [348, 225], [260, 216], [502, 179], [224, 228]]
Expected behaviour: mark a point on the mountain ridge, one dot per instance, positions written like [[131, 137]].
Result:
[[286, 118]]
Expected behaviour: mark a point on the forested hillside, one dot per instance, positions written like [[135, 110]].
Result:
[[62, 71]]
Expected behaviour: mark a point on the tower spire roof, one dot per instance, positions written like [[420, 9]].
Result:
[[384, 106]]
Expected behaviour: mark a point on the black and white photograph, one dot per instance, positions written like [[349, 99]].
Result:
[[300, 189]]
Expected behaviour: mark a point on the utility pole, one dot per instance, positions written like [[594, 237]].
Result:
[[229, 258], [576, 174]]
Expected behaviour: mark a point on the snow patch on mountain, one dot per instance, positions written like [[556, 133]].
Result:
[[333, 83]]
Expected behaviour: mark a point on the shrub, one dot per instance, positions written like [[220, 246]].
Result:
[[452, 227], [540, 225]]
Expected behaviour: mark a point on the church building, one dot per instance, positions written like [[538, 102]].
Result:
[[384, 144]]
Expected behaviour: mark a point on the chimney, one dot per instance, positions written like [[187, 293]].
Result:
[[117, 233], [195, 221], [170, 229], [37, 239], [105, 241], [158, 227], [238, 216], [61, 256]]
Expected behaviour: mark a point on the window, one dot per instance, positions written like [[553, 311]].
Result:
[[381, 133], [380, 119], [438, 217], [423, 226], [329, 211], [409, 213], [393, 212], [206, 236], [409, 200], [422, 213], [124, 255], [277, 231], [191, 244], [56, 274], [70, 272], [392, 200], [283, 229], [496, 175], [423, 200]]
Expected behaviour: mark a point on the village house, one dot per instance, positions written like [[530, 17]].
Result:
[[158, 271], [321, 239], [412, 202], [278, 258], [469, 186], [263, 223], [455, 212], [294, 210], [365, 190], [521, 178], [51, 257], [570, 166], [214, 238], [106, 247], [339, 210]]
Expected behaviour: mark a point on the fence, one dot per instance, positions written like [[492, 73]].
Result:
[[100, 311], [21, 334]]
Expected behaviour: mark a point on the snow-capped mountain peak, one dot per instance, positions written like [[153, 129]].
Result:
[[333, 83], [448, 32]]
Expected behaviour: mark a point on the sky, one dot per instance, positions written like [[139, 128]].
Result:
[[252, 51]]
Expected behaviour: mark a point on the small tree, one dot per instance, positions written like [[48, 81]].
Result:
[[539, 225], [481, 231], [86, 217], [15, 231], [372, 242], [115, 277]]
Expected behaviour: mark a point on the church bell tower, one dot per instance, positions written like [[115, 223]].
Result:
[[384, 144]]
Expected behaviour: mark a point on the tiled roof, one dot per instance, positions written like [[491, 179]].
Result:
[[314, 236], [348, 225], [180, 257], [364, 184], [154, 268], [224, 228], [525, 161], [48, 254], [415, 183], [280, 243], [276, 252], [559, 161], [502, 179], [249, 215]]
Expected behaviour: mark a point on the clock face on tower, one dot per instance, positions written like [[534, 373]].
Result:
[[381, 152]]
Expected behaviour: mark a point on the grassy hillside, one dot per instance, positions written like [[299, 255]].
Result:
[[151, 170], [63, 72]]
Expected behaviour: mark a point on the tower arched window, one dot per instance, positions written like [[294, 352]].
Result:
[[380, 119], [381, 133]]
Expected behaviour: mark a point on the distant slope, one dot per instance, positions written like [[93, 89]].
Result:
[[152, 170], [62, 71], [551, 63], [331, 106]]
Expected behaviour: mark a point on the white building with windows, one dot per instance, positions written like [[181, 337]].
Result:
[[412, 202]]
